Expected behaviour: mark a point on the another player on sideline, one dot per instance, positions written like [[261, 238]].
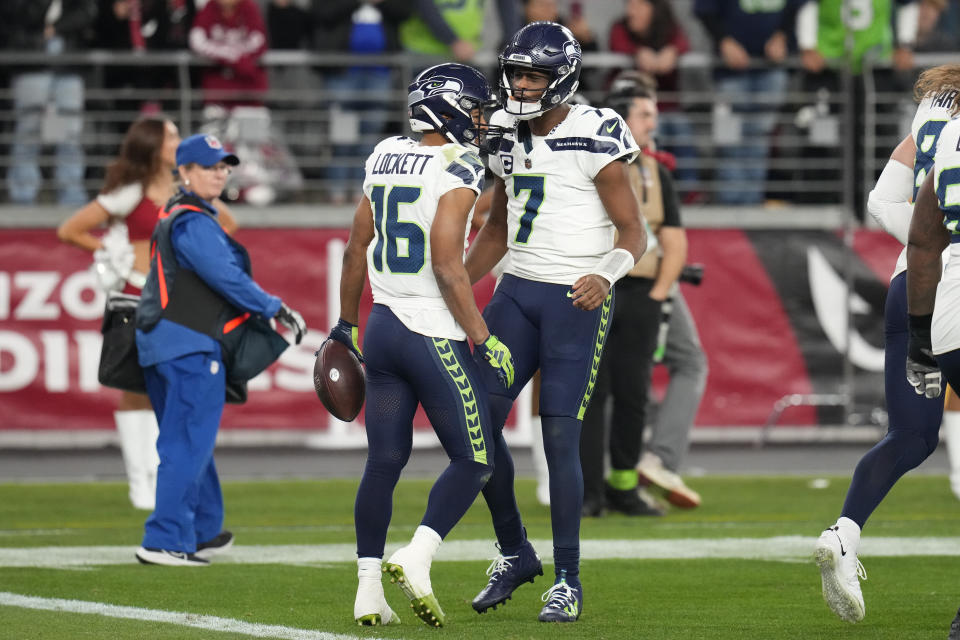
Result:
[[914, 419], [411, 228], [559, 195]]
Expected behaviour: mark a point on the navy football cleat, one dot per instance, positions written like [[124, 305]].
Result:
[[564, 601], [506, 574]]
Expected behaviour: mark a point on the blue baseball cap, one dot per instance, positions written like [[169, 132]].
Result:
[[205, 150]]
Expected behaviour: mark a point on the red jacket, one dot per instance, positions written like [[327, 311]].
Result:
[[236, 43]]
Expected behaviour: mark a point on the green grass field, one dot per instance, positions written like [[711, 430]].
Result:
[[704, 596]]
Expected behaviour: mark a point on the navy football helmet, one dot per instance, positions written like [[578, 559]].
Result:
[[444, 98], [546, 47]]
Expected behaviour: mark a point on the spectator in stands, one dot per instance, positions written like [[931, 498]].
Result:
[[289, 24], [453, 30], [548, 11], [752, 43], [232, 34], [831, 39], [357, 96], [141, 25], [48, 102], [933, 34], [651, 34]]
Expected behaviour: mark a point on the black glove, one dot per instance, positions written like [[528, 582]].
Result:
[[292, 320], [348, 335], [923, 373]]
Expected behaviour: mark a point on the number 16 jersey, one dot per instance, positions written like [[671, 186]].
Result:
[[404, 182]]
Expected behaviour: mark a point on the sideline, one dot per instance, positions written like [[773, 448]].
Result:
[[778, 548], [194, 620]]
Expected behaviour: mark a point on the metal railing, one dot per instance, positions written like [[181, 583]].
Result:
[[322, 131]]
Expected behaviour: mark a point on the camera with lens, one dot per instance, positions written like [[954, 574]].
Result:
[[692, 274]]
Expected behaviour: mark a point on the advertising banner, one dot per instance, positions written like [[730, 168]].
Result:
[[770, 314]]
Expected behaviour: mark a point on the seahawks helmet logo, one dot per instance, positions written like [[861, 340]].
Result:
[[435, 86], [571, 49]]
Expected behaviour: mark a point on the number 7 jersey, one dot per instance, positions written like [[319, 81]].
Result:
[[558, 228], [404, 182]]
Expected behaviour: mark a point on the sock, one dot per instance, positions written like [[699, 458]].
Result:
[[567, 560], [850, 531], [623, 479], [426, 540], [369, 569]]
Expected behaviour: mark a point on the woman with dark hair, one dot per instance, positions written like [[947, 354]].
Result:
[[137, 183], [650, 33]]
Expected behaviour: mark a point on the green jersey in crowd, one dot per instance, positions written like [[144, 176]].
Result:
[[465, 18], [855, 28]]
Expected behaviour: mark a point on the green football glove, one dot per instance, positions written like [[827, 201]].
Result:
[[498, 355]]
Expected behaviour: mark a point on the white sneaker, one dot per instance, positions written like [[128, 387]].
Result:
[[370, 607], [840, 571], [650, 470], [410, 571]]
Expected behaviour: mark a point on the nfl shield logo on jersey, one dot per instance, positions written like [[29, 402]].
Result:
[[527, 163]]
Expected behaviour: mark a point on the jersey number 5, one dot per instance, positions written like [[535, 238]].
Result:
[[405, 242], [533, 184]]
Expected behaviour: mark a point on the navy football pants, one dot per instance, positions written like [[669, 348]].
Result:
[[403, 370], [914, 419], [544, 331]]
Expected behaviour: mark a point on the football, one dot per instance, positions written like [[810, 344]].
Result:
[[338, 380]]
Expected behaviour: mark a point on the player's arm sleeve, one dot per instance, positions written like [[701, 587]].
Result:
[[201, 246], [889, 201]]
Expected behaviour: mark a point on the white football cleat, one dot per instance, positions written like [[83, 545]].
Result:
[[410, 571], [370, 607], [840, 572], [650, 470]]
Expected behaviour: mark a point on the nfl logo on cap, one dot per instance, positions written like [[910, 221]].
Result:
[[212, 142]]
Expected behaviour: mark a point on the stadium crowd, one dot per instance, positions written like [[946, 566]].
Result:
[[303, 129]]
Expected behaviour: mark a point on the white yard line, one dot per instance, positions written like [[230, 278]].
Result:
[[196, 621], [785, 548]]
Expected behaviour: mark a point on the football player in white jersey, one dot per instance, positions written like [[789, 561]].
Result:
[[914, 419], [409, 234], [560, 192], [934, 301]]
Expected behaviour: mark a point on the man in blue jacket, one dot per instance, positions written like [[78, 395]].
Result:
[[198, 290]]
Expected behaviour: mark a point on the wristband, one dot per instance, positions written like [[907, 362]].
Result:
[[614, 265]]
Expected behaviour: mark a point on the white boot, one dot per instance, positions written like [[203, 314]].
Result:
[[951, 428], [151, 431], [370, 606], [841, 570], [409, 569], [130, 426]]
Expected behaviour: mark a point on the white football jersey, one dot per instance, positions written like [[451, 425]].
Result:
[[404, 182], [945, 331], [558, 228], [933, 113]]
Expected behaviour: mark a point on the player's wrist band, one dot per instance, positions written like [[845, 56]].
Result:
[[614, 265]]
